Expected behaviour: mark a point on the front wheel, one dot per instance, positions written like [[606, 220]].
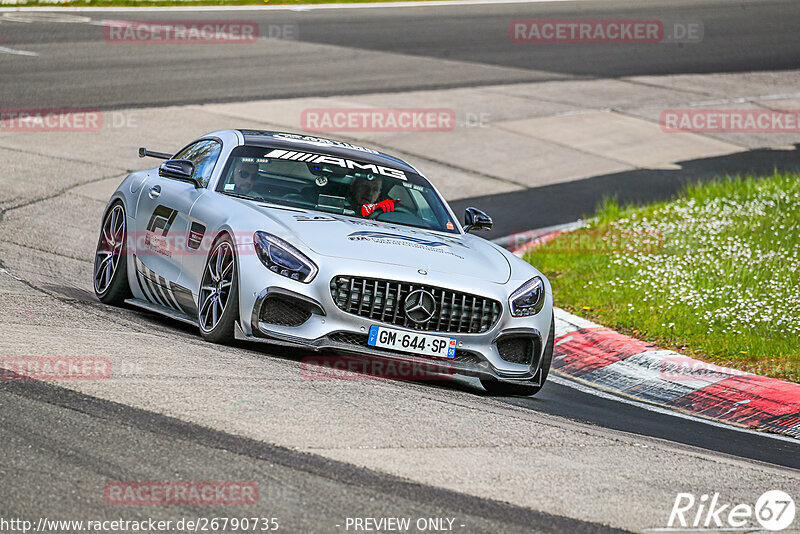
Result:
[[218, 306], [110, 258], [497, 388]]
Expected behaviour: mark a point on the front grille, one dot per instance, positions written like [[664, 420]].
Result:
[[382, 300], [360, 340], [283, 311], [516, 349]]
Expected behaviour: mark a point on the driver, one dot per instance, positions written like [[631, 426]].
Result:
[[244, 178], [365, 193]]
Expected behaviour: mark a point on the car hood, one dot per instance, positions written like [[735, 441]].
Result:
[[360, 239]]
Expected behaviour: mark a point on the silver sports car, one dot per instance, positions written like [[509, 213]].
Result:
[[320, 244]]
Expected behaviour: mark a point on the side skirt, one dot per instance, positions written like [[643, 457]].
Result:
[[155, 308]]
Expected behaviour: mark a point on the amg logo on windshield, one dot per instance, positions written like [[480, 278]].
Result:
[[333, 160]]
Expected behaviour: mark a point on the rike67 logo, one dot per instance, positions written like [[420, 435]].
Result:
[[773, 511]]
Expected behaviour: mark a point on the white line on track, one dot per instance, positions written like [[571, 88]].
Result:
[[28, 17], [14, 52], [654, 408], [307, 7]]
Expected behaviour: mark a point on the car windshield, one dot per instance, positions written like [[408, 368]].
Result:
[[333, 184]]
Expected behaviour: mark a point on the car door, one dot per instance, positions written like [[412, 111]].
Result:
[[162, 227]]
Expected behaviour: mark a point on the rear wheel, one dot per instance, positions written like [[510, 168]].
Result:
[[495, 387], [218, 306], [110, 258]]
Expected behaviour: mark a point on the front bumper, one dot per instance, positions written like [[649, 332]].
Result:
[[325, 327], [475, 367]]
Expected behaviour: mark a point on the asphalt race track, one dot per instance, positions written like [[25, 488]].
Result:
[[566, 460], [305, 491], [372, 50]]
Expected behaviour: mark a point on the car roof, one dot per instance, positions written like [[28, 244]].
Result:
[[321, 145]]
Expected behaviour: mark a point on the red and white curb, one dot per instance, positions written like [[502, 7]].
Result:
[[605, 360], [522, 242]]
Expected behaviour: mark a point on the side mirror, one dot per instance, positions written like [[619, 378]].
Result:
[[475, 219], [179, 169]]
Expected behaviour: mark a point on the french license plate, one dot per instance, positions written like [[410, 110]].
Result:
[[389, 338]]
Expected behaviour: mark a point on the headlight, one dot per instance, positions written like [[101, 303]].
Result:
[[282, 258], [529, 299]]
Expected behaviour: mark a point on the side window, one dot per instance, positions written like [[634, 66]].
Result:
[[204, 155]]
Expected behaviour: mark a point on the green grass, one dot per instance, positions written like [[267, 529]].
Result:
[[188, 3], [714, 274]]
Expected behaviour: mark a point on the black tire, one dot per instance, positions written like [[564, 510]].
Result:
[[220, 330], [497, 388], [110, 273]]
